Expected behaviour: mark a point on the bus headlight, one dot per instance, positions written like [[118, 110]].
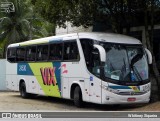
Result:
[[146, 88], [113, 90], [110, 89]]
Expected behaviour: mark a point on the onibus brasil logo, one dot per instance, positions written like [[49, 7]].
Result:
[[7, 7]]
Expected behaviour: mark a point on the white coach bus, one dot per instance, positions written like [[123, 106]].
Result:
[[91, 67]]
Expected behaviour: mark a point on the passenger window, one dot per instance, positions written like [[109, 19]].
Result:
[[11, 54], [70, 51], [42, 52], [55, 51], [30, 53], [20, 54]]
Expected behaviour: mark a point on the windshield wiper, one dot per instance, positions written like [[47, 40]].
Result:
[[137, 73], [135, 59], [123, 70]]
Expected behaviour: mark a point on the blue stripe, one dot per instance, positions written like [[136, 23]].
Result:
[[119, 87], [58, 74]]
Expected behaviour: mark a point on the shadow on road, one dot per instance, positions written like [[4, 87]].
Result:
[[87, 106]]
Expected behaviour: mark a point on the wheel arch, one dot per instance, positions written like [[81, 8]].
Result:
[[20, 81], [73, 86]]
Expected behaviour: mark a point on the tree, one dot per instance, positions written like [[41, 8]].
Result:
[[13, 26], [21, 25], [150, 8], [116, 14], [78, 12]]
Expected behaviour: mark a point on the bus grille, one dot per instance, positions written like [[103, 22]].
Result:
[[131, 93]]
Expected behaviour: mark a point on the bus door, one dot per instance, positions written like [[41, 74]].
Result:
[[92, 61], [95, 81]]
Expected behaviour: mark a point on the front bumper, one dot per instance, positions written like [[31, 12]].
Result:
[[111, 98]]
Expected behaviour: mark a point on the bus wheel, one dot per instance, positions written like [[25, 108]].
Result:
[[78, 97], [23, 92]]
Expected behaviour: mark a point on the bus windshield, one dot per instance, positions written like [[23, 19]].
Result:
[[125, 63]]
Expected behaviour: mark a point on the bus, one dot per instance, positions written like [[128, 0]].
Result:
[[102, 68]]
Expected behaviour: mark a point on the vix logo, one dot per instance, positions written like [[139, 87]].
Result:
[[48, 76]]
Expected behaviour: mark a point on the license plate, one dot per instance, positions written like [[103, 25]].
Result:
[[131, 99]]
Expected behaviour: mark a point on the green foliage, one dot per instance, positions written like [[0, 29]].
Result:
[[78, 12], [12, 25], [117, 13], [21, 25]]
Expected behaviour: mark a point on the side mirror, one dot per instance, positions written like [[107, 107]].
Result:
[[102, 52], [149, 55]]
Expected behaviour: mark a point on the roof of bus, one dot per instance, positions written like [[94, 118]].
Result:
[[110, 37], [105, 37]]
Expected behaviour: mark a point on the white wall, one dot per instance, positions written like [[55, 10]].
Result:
[[71, 29], [3, 74]]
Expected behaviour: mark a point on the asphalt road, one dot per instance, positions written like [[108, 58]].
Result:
[[12, 101]]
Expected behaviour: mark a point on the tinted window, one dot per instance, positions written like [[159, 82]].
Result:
[[55, 51], [70, 51], [20, 54], [42, 52], [30, 53], [11, 54], [87, 46]]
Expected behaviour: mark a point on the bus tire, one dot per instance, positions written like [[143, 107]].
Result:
[[78, 97], [23, 92]]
